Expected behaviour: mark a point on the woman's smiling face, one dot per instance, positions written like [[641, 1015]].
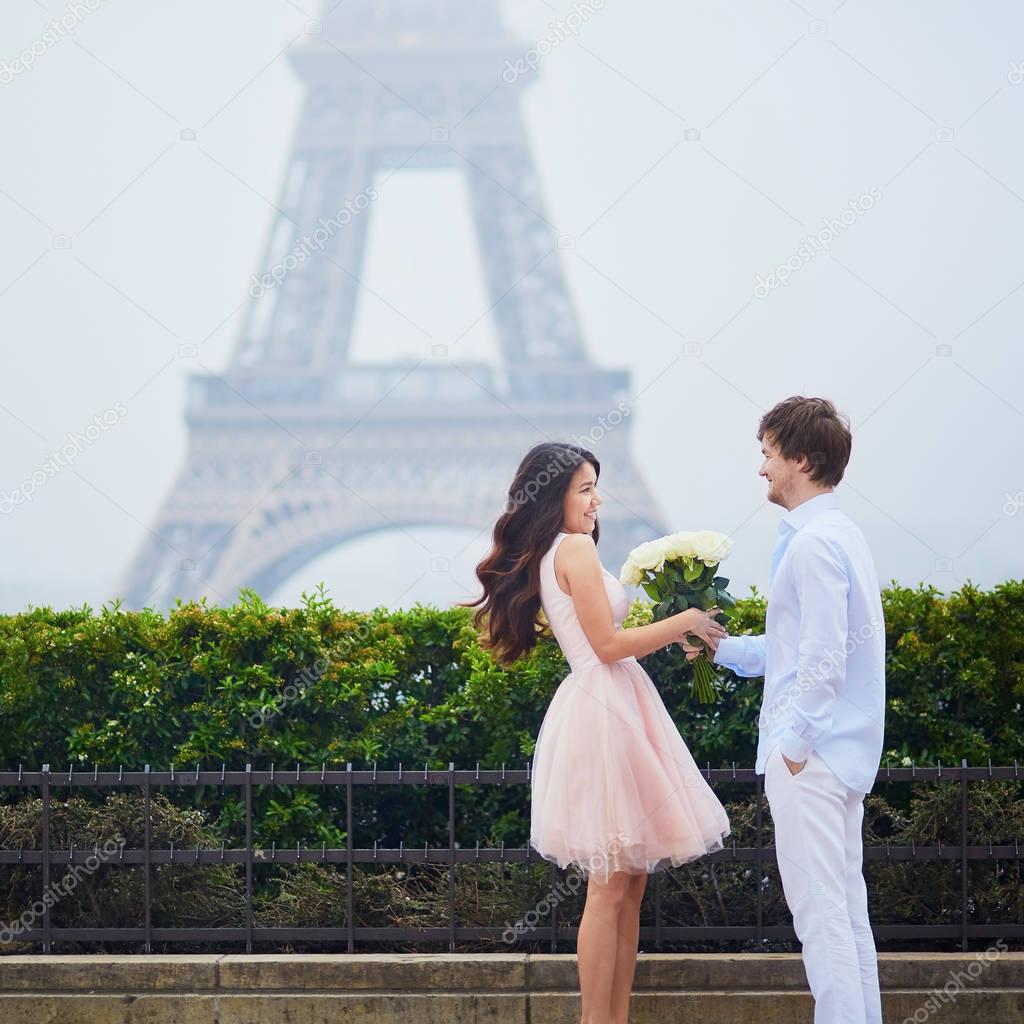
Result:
[[579, 507]]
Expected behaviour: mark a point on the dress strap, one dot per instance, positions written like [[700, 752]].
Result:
[[550, 560]]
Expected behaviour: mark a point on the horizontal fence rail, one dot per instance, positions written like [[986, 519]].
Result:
[[450, 854]]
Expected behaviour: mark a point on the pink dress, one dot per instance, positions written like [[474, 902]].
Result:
[[614, 787]]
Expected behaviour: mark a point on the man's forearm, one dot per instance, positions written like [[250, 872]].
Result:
[[744, 655]]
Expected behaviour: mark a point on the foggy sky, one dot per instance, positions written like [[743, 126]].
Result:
[[687, 150]]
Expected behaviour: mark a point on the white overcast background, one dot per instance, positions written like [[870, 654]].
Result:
[[687, 148]]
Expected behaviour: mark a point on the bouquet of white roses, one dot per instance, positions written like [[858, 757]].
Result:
[[678, 572]]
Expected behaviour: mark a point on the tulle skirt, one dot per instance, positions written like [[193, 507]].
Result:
[[614, 787]]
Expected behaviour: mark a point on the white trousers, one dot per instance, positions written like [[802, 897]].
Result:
[[818, 841]]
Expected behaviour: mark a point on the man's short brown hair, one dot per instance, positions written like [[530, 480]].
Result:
[[810, 428]]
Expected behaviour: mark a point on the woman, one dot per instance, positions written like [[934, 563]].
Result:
[[615, 792]]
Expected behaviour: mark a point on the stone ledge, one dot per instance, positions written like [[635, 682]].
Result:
[[778, 971], [473, 988], [1002, 1006], [254, 1008], [477, 972], [105, 973]]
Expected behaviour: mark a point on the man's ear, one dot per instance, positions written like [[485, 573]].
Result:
[[815, 459]]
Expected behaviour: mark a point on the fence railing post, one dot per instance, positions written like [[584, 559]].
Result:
[[451, 857], [758, 825], [248, 858], [657, 910], [349, 899], [147, 833], [555, 895], [963, 853], [46, 858]]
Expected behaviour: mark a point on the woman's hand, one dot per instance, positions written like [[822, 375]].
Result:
[[702, 625], [692, 653]]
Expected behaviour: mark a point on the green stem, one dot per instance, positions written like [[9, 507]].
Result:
[[705, 679]]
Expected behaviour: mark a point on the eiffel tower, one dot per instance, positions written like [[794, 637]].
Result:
[[294, 448]]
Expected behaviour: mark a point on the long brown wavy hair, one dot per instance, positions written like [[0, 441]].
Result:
[[508, 611]]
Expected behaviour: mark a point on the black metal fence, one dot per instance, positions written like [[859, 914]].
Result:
[[450, 854]]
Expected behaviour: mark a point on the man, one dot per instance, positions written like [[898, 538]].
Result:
[[821, 723]]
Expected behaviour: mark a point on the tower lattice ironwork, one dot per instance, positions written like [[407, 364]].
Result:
[[295, 448]]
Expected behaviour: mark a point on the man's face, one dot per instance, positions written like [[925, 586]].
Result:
[[782, 474]]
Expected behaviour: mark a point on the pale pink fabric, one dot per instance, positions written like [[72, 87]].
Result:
[[614, 787]]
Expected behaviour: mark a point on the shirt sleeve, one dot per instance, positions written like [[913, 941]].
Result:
[[743, 654], [822, 586]]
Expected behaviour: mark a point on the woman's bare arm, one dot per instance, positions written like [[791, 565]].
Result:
[[577, 559]]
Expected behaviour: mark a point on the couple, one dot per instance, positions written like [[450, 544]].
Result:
[[616, 792]]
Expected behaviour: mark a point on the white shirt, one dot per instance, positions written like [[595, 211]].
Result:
[[823, 652]]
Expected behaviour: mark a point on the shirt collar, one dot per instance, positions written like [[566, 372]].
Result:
[[800, 516]]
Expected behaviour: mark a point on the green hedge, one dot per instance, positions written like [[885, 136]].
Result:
[[210, 685], [414, 687]]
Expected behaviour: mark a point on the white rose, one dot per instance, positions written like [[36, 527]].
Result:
[[649, 555], [631, 573], [680, 545], [703, 545], [711, 547]]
